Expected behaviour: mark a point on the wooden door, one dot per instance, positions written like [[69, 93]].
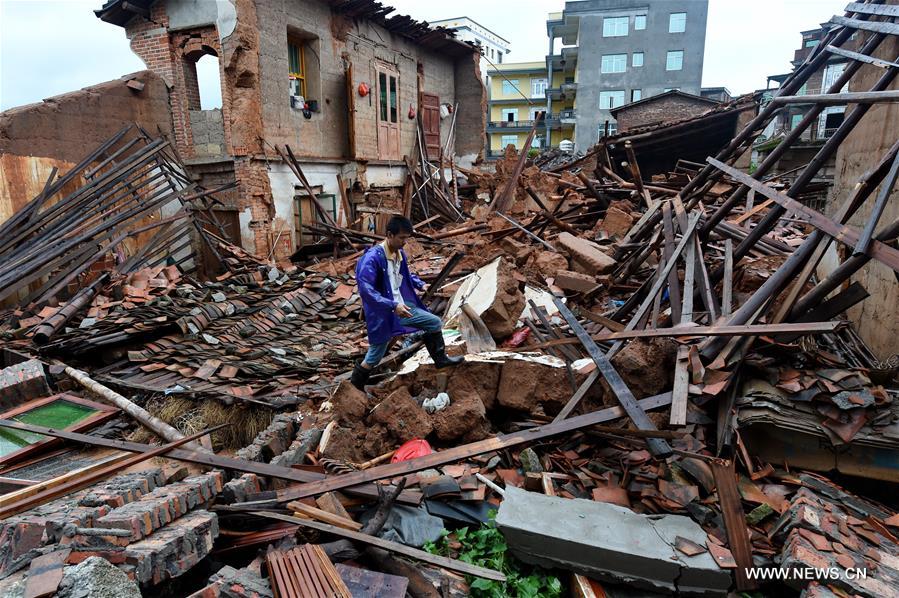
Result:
[[388, 114], [430, 123]]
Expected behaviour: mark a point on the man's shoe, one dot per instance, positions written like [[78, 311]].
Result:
[[437, 350], [360, 376]]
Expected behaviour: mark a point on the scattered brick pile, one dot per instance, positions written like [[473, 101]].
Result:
[[152, 530]]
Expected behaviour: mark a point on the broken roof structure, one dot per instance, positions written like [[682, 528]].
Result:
[[661, 388]]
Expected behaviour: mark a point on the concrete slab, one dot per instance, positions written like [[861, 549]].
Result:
[[608, 542]]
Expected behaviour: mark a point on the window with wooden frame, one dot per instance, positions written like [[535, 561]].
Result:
[[387, 100], [62, 412], [296, 67], [388, 113]]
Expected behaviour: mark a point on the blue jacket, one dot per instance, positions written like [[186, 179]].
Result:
[[377, 297]]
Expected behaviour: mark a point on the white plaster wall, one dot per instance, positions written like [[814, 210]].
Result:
[[386, 176], [284, 186], [185, 14]]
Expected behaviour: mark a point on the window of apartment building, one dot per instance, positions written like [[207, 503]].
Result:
[[636, 95], [296, 67], [675, 60], [611, 99], [637, 59], [499, 57], [614, 63], [510, 87], [795, 120], [614, 26], [538, 88], [509, 140], [510, 114], [811, 43], [639, 22], [612, 128], [538, 141], [677, 22]]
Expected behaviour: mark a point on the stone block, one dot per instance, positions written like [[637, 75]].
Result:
[[586, 256], [22, 382], [608, 542], [574, 281]]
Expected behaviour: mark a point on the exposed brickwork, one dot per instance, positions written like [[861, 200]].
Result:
[[151, 530], [658, 109], [255, 192]]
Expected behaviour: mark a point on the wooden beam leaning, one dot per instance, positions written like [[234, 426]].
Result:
[[839, 99], [415, 553], [464, 451], [862, 57], [884, 10], [875, 26], [800, 328], [879, 251], [656, 446], [661, 281]]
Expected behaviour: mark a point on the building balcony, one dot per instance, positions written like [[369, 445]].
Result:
[[566, 91], [564, 62], [567, 117], [509, 125]]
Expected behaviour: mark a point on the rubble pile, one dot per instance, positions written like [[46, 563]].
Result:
[[658, 391]]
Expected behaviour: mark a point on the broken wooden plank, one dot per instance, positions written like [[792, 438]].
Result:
[[873, 9], [414, 553], [323, 516], [875, 26], [885, 64], [465, 451], [657, 446], [727, 285], [734, 520]]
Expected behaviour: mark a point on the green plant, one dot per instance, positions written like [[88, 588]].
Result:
[[533, 152], [486, 547]]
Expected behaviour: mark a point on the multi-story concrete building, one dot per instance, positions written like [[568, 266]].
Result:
[[493, 46], [516, 93], [619, 51]]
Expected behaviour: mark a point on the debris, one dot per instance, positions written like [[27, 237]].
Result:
[[609, 542], [96, 577]]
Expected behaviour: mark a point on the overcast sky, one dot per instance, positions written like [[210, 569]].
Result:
[[49, 47]]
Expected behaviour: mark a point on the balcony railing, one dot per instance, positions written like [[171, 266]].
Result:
[[511, 124]]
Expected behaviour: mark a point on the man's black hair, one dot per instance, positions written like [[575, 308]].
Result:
[[399, 224]]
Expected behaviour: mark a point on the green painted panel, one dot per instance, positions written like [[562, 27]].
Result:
[[58, 414]]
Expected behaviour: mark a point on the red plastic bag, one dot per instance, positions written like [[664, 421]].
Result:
[[412, 449]]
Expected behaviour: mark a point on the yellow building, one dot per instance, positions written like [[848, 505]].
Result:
[[516, 93]]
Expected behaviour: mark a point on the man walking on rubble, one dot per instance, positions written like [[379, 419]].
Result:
[[390, 302]]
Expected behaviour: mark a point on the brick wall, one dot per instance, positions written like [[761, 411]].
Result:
[[668, 108]]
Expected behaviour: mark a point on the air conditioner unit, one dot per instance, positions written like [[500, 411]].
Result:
[[297, 102]]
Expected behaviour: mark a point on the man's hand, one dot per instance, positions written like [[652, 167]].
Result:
[[402, 311]]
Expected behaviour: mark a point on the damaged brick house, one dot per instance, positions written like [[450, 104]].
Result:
[[337, 81]]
